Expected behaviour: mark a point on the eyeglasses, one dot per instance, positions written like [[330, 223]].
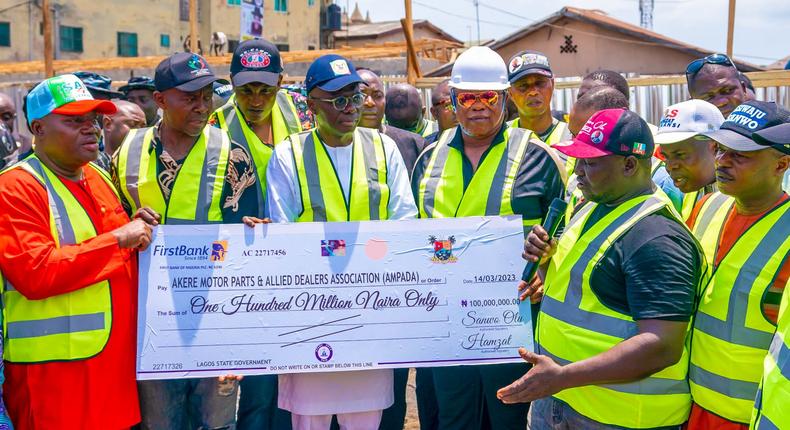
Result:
[[341, 103], [468, 100], [445, 104], [695, 66]]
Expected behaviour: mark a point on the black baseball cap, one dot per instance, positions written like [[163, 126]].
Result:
[[256, 60], [330, 73], [777, 137], [527, 63], [138, 83], [100, 86], [738, 129], [184, 71], [611, 132]]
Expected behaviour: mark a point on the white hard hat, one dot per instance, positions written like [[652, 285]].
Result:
[[479, 68]]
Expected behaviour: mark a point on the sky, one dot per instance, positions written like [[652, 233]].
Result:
[[761, 26]]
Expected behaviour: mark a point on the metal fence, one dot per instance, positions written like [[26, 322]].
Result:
[[649, 94]]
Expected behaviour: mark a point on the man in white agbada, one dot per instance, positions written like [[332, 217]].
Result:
[[311, 177]]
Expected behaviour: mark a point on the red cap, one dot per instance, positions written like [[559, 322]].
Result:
[[81, 107], [609, 132]]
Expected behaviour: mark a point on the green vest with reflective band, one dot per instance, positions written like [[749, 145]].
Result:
[[573, 325], [196, 194], [71, 326], [322, 195], [441, 188], [285, 122], [771, 411], [428, 128], [561, 133], [731, 335]]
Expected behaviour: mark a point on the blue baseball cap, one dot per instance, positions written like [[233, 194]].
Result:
[[748, 118], [331, 73], [64, 95], [185, 71]]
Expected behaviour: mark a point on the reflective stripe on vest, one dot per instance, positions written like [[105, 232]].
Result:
[[322, 195], [71, 326], [689, 201], [490, 192], [731, 335], [574, 325], [196, 194]]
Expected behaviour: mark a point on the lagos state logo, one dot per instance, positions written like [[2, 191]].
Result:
[[255, 59], [442, 250]]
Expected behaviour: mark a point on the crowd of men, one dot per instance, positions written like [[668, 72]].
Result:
[[660, 305]]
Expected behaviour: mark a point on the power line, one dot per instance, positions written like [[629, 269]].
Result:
[[468, 18]]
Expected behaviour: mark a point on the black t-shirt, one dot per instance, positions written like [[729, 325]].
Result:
[[651, 271], [409, 144], [538, 180]]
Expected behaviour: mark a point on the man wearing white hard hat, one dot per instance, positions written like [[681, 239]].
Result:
[[690, 155], [482, 167]]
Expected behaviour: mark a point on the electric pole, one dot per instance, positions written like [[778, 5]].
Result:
[[477, 16], [646, 13]]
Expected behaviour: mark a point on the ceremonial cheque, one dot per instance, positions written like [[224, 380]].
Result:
[[289, 215], [244, 304]]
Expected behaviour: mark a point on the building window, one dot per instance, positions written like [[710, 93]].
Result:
[[234, 2], [282, 47], [5, 34], [70, 39], [310, 2], [281, 5], [183, 10], [127, 44], [164, 40]]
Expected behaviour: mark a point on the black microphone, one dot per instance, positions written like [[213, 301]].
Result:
[[550, 224]]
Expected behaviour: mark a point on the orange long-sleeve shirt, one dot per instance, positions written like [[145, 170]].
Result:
[[95, 393]]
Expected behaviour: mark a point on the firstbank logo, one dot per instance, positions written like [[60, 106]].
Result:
[[218, 250]]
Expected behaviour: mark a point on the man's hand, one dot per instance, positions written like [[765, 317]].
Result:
[[250, 221], [533, 290], [135, 234], [539, 247], [148, 215], [543, 380], [231, 378]]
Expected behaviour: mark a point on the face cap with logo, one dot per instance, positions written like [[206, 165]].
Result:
[[528, 63], [331, 73], [687, 119], [777, 137], [750, 117], [611, 132], [186, 72], [64, 95], [256, 60]]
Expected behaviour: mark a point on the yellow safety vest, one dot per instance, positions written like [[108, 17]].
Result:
[[428, 128], [322, 195], [731, 335], [573, 325], [441, 188], [196, 195], [285, 122], [771, 411], [71, 326]]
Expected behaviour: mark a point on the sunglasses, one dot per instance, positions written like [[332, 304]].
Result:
[[468, 100], [342, 102], [695, 66], [444, 104]]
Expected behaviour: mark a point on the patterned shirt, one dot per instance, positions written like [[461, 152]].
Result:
[[239, 195]]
